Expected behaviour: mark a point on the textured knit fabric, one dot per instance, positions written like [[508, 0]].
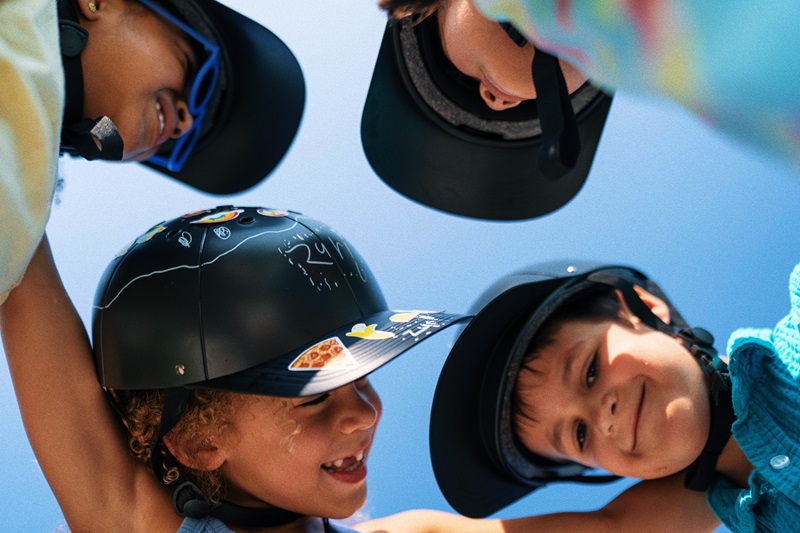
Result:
[[765, 370], [212, 525], [734, 66], [31, 104]]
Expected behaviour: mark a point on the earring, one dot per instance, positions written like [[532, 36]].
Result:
[[92, 7]]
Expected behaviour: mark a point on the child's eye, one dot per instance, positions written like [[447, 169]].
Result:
[[580, 435], [591, 372], [315, 401]]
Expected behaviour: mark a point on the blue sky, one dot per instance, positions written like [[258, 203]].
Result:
[[713, 221]]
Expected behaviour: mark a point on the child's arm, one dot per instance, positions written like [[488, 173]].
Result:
[[73, 431], [661, 505]]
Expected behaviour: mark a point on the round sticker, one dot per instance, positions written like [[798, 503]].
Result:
[[216, 218]]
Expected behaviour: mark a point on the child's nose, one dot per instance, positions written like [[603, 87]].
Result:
[[185, 119], [358, 410], [493, 102], [606, 417]]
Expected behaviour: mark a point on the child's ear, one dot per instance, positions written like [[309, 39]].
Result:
[[200, 456], [656, 305], [92, 9]]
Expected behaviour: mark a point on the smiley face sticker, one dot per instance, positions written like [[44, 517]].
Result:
[[216, 218]]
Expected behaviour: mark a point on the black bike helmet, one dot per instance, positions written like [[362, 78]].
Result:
[[478, 462], [428, 134], [251, 116], [248, 300]]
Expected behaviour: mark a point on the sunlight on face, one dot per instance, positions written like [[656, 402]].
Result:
[[320, 470], [632, 401], [479, 48]]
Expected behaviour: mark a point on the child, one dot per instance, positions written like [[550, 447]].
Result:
[[178, 85], [454, 97], [729, 67], [569, 367], [235, 345]]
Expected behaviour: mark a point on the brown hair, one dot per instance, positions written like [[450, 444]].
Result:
[[595, 306], [398, 9]]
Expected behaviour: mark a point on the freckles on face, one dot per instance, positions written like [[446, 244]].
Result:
[[307, 455], [630, 401]]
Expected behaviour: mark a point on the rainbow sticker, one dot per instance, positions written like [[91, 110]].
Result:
[[328, 354], [158, 228], [190, 215], [272, 212], [408, 316], [363, 331], [216, 218]]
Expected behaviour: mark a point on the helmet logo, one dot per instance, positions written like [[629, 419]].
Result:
[[328, 354], [216, 218], [363, 331]]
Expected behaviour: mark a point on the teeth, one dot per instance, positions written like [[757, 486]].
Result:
[[161, 119], [360, 455], [338, 463]]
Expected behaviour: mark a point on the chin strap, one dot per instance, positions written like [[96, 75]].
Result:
[[79, 135], [699, 343], [187, 498]]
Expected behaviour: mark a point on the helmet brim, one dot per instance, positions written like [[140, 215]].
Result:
[[426, 159], [477, 461], [260, 112]]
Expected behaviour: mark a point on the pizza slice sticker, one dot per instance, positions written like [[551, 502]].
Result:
[[216, 218], [364, 331], [328, 354], [407, 316]]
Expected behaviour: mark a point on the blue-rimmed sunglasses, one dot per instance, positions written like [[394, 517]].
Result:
[[203, 85]]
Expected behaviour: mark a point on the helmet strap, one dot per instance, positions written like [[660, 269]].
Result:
[[700, 344], [187, 498], [561, 143], [79, 135]]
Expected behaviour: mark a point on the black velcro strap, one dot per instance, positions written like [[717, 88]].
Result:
[[561, 143]]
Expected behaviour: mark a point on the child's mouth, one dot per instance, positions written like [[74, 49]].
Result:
[[351, 469]]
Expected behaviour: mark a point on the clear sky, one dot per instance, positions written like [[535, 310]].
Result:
[[714, 222]]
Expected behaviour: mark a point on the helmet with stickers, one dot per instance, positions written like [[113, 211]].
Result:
[[479, 463], [249, 300]]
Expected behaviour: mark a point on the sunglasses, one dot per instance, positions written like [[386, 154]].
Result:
[[203, 85]]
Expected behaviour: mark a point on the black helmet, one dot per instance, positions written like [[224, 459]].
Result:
[[250, 117], [250, 300], [428, 134], [478, 462]]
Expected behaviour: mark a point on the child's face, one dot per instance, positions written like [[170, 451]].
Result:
[[479, 48], [300, 473], [630, 400], [136, 66]]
